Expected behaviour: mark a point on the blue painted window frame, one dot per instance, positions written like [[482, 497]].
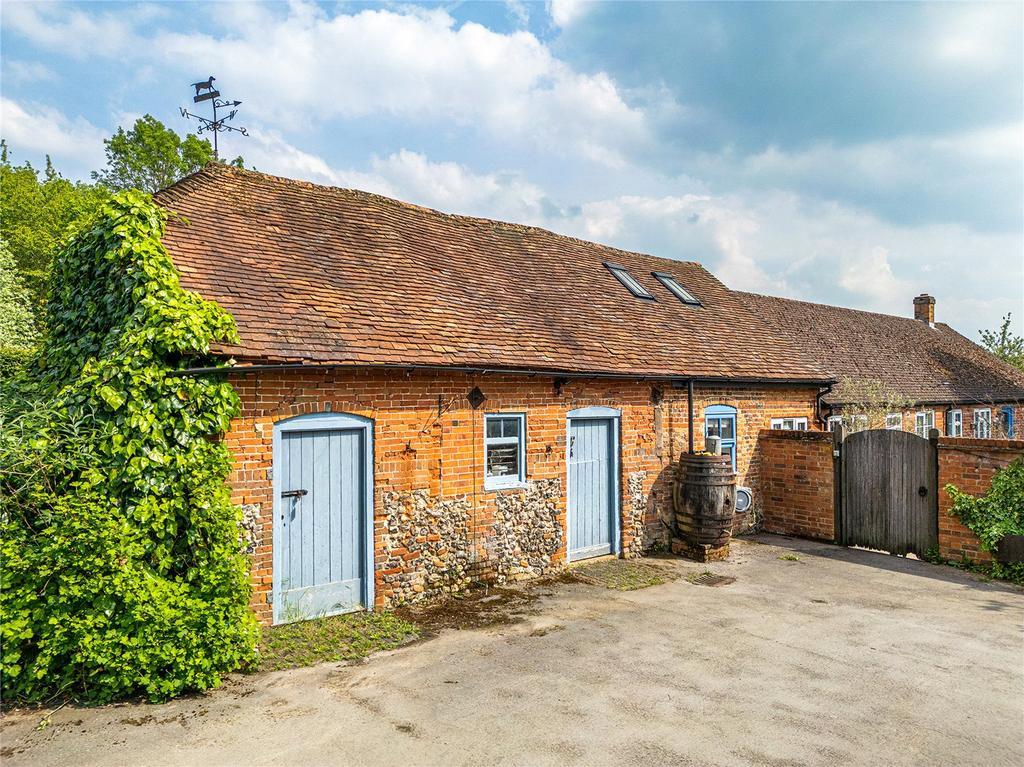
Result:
[[509, 481], [1007, 413], [723, 413]]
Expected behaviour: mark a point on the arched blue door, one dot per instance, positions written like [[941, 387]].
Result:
[[322, 516]]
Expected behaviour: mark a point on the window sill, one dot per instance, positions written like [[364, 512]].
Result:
[[489, 488]]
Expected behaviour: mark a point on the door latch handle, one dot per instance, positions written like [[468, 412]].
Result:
[[294, 493]]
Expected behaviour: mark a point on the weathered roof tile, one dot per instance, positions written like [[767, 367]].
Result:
[[324, 275]]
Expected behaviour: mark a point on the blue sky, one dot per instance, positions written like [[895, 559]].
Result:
[[848, 153]]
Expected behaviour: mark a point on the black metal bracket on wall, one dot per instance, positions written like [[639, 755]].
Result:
[[838, 435]]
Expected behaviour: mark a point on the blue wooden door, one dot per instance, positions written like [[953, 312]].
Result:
[[319, 563], [592, 487]]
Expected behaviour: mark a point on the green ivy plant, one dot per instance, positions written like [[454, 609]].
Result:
[[997, 514], [122, 571]]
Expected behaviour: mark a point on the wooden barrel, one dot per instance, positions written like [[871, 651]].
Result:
[[705, 499]]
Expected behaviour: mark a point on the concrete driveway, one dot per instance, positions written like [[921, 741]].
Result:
[[841, 657]]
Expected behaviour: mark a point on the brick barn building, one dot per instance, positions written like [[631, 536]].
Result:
[[429, 399], [945, 380]]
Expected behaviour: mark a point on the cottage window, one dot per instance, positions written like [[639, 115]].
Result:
[[676, 289], [1006, 421], [504, 450], [894, 421], [983, 423], [834, 421], [790, 424], [720, 421], [955, 423], [924, 422], [629, 281]]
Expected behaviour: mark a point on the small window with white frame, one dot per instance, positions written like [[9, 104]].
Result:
[[894, 421], [790, 424], [924, 422], [834, 421], [504, 450], [983, 423], [955, 423]]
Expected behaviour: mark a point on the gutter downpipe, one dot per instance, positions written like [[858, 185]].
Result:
[[689, 411], [819, 405]]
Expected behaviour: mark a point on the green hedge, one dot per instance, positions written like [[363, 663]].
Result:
[[995, 515], [122, 569]]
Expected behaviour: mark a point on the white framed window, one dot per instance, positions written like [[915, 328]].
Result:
[[894, 421], [983, 423], [834, 421], [955, 423], [924, 422], [504, 450], [790, 424]]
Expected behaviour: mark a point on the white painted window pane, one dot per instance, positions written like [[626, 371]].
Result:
[[503, 460]]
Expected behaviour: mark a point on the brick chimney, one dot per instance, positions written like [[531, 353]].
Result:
[[924, 308]]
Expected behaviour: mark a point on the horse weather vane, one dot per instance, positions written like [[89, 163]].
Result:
[[205, 91]]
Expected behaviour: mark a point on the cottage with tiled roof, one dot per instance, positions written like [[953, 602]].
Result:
[[949, 382], [430, 399]]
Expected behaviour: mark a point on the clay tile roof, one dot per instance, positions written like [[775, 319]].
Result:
[[926, 364], [335, 276]]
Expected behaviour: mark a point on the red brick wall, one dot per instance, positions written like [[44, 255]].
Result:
[[418, 448], [969, 464], [797, 483]]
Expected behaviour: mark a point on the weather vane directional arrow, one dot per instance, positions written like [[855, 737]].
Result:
[[205, 91]]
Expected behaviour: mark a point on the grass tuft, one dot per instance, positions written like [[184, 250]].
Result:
[[624, 574], [331, 640], [790, 558]]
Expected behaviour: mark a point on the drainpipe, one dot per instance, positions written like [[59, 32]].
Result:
[[689, 411], [819, 405]]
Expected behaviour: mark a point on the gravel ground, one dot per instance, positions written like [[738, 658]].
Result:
[[836, 657]]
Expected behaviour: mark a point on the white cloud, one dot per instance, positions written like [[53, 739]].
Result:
[[416, 66], [566, 12], [74, 32], [76, 145], [412, 177], [302, 67], [20, 72]]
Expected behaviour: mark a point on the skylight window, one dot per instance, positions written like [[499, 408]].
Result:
[[676, 289], [628, 280]]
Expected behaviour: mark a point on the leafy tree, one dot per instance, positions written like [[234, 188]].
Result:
[[18, 332], [1005, 344], [152, 156], [39, 213], [869, 401], [122, 568]]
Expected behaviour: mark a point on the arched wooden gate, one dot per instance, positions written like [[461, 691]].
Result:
[[889, 492]]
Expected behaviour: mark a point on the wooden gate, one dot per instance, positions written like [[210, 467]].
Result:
[[889, 492]]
